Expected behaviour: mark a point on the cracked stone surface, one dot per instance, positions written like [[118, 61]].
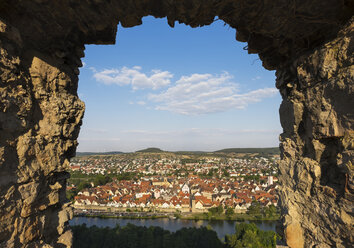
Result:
[[309, 43], [316, 170]]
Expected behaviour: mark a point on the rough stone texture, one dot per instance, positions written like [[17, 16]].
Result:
[[42, 41], [317, 116], [275, 29], [40, 115]]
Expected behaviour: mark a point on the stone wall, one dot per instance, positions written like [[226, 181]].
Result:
[[316, 170], [40, 116], [42, 41]]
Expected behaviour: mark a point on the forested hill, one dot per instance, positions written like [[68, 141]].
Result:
[[260, 151], [151, 149]]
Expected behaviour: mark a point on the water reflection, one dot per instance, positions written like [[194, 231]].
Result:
[[220, 227]]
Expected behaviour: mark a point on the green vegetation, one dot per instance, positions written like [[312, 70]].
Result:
[[216, 210], [255, 212], [189, 160], [220, 153], [151, 149], [250, 236], [180, 172], [131, 236], [250, 178], [237, 217], [101, 180], [229, 212], [81, 181], [225, 173], [70, 194], [211, 174], [125, 176], [78, 178], [262, 213]]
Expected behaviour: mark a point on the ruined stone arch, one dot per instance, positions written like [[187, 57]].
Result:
[[309, 43]]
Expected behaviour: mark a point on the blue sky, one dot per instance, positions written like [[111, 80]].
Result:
[[177, 89]]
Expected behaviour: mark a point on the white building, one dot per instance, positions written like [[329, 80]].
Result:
[[185, 188], [270, 180]]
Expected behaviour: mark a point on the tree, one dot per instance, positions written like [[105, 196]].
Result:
[[225, 173], [70, 194], [249, 235], [220, 210], [216, 210], [83, 185], [101, 180], [270, 211], [255, 208], [229, 212], [132, 236]]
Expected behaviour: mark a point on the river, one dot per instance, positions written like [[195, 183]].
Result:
[[219, 226]]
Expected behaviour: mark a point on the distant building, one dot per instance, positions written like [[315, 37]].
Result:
[[270, 180], [185, 188]]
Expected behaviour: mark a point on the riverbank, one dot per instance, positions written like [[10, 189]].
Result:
[[234, 217], [182, 216]]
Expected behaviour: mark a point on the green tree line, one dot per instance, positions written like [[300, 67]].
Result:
[[131, 236]]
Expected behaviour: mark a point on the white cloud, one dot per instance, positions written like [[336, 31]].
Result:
[[256, 78], [96, 130], [207, 93], [134, 77], [141, 102], [206, 132], [93, 69], [189, 95]]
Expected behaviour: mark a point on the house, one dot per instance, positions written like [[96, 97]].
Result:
[[157, 193], [165, 205], [185, 188], [199, 205]]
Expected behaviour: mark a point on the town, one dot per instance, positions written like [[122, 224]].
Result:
[[173, 183]]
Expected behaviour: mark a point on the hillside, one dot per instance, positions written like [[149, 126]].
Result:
[[151, 150], [227, 151]]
